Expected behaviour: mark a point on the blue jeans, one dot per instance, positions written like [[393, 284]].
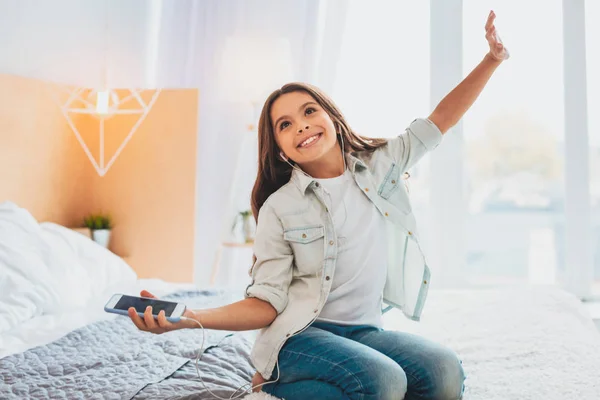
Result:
[[329, 361]]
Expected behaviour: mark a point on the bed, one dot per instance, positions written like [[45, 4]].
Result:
[[519, 342], [57, 342]]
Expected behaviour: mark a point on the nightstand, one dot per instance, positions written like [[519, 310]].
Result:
[[88, 234], [84, 231], [217, 263]]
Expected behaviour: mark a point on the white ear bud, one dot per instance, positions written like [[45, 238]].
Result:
[[284, 158]]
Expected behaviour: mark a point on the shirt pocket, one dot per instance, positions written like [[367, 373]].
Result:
[[307, 243], [393, 189], [390, 183]]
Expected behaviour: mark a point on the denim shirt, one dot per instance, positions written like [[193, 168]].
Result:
[[296, 243]]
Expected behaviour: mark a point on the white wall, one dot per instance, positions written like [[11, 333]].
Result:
[[70, 41]]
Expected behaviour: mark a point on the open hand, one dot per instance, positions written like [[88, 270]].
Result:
[[497, 50], [159, 325]]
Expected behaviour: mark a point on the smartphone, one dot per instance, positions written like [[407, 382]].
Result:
[[120, 303]]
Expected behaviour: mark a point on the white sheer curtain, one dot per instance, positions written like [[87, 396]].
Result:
[[592, 13], [384, 62], [382, 79], [199, 41], [173, 44], [87, 43]]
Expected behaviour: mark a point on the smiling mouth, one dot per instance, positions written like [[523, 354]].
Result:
[[310, 141]]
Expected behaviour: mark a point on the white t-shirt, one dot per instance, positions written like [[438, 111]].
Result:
[[356, 291]]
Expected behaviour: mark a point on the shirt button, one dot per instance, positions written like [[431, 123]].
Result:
[[393, 181], [386, 214], [366, 189], [315, 310], [425, 282], [287, 335], [331, 242], [409, 233], [304, 236], [317, 184], [327, 278]]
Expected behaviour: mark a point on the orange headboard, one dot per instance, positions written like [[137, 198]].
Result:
[[149, 190]]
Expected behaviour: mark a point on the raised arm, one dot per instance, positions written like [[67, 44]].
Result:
[[452, 107]]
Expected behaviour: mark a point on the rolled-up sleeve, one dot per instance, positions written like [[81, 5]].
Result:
[[420, 137], [272, 270]]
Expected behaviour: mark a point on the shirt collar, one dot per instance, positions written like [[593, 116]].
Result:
[[304, 181]]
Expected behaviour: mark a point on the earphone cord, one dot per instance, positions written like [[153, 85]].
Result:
[[199, 356]]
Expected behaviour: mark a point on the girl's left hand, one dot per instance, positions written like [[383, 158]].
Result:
[[497, 50], [257, 379]]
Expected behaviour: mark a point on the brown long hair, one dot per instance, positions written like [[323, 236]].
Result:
[[273, 172]]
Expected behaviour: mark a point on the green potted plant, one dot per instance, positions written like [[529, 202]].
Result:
[[100, 225], [248, 225]]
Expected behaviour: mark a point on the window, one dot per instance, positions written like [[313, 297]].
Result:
[[514, 144], [382, 80], [592, 13]]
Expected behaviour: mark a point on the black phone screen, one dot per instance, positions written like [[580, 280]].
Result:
[[140, 305]]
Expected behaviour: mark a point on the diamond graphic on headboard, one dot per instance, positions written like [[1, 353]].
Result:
[[131, 102]]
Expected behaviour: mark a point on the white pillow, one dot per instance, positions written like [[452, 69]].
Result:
[[48, 269], [70, 279], [26, 285], [75, 258]]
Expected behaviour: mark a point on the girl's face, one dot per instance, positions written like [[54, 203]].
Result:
[[303, 129]]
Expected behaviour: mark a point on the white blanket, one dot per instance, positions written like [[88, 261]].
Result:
[[526, 343], [47, 328], [516, 343]]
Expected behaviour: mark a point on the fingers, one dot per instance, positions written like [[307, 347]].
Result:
[[498, 39], [149, 319], [490, 20], [145, 293], [162, 321], [497, 49], [490, 35], [137, 321], [148, 323]]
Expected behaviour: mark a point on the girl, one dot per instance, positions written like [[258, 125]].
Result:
[[335, 240]]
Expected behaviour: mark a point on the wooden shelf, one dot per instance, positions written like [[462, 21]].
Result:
[[237, 244]]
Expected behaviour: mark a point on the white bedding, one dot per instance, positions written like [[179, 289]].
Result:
[[47, 328], [54, 280], [516, 343], [526, 343], [46, 267]]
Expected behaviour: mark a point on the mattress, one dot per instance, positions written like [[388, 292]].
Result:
[[46, 328], [520, 342], [524, 343], [111, 358]]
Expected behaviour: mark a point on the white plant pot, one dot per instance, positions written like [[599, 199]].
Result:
[[249, 229], [101, 236]]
